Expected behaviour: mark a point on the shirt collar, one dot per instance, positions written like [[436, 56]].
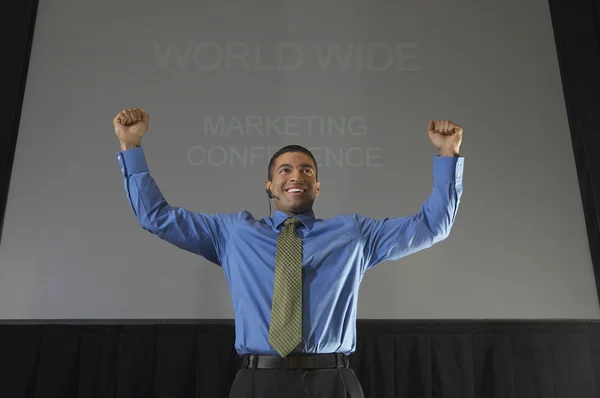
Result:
[[307, 218]]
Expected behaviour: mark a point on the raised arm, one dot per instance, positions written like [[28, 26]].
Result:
[[397, 237], [195, 232]]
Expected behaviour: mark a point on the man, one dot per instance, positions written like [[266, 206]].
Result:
[[293, 278]]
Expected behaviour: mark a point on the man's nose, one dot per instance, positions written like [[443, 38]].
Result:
[[296, 175]]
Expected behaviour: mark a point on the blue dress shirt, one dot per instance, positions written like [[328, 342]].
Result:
[[336, 252]]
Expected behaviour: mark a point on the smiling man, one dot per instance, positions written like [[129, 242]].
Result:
[[293, 180], [294, 278]]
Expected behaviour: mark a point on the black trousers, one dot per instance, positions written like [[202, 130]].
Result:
[[334, 382]]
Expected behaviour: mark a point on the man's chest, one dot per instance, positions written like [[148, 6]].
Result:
[[325, 251]]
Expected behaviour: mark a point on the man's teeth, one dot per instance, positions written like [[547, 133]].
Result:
[[295, 190]]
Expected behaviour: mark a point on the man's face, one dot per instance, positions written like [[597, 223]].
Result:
[[294, 183]]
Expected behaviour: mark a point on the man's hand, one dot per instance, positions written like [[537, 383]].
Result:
[[130, 126], [446, 137]]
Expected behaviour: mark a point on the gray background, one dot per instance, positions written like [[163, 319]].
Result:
[[72, 249]]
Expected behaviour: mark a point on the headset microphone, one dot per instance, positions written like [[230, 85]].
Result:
[[271, 196]]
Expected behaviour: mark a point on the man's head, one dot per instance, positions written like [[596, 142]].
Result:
[[293, 179]]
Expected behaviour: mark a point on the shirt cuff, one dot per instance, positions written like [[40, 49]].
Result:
[[448, 169], [132, 161]]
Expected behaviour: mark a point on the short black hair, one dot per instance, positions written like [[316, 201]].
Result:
[[291, 148]]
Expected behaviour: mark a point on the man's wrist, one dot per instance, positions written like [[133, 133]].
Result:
[[125, 146], [449, 152]]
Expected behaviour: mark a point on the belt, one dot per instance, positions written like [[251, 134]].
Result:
[[310, 361]]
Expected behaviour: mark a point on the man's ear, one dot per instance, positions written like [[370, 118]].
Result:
[[318, 186]]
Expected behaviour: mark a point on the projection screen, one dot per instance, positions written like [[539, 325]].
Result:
[[226, 85]]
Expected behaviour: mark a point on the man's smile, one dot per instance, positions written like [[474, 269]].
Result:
[[295, 190]]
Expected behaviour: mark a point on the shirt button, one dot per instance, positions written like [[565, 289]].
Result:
[[459, 161], [122, 170], [458, 174], [119, 157]]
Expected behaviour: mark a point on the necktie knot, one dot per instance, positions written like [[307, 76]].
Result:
[[293, 222]]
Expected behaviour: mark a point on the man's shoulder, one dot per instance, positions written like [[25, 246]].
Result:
[[240, 216], [354, 218], [346, 216], [341, 218]]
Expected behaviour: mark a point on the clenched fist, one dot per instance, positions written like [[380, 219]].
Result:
[[130, 126], [446, 136]]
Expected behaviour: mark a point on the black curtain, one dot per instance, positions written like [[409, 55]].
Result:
[[17, 23], [393, 359], [430, 359], [577, 35]]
